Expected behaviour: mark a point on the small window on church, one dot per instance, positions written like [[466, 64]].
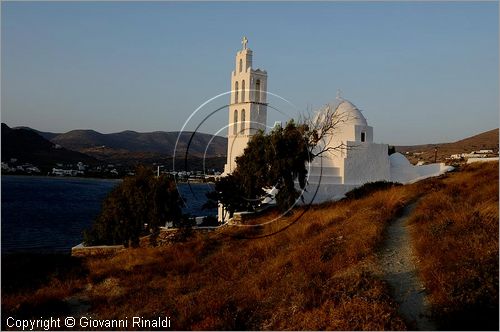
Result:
[[235, 123], [236, 92], [363, 136], [241, 65]]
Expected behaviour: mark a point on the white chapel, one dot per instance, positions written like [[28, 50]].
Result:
[[353, 158]]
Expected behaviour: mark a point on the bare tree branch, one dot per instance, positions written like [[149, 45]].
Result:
[[323, 127]]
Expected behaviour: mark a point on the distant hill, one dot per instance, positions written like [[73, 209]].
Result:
[[134, 145], [486, 140], [28, 146], [44, 134]]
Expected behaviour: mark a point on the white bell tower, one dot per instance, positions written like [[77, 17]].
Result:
[[248, 105]]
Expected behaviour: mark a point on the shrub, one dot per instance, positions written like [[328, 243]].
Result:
[[139, 205], [210, 221]]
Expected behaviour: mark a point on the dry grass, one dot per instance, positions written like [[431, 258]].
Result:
[[36, 285], [291, 280], [309, 275], [294, 279], [455, 235]]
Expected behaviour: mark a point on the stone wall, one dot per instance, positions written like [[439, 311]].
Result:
[[83, 251]]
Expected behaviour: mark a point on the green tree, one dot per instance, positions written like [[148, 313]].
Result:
[[288, 162], [277, 159], [228, 191], [138, 206], [251, 174]]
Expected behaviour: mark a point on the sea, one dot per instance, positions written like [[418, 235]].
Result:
[[48, 214]]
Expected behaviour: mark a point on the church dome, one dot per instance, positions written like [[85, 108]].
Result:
[[398, 160], [350, 114]]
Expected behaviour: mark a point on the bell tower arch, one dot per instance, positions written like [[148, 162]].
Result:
[[248, 105]]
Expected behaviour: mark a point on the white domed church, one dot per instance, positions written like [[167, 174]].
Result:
[[351, 156]]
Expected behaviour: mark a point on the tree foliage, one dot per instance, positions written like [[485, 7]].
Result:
[[276, 159], [138, 206]]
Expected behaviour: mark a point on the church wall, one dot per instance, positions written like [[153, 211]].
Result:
[[262, 76], [235, 147], [410, 173], [331, 161], [366, 162], [353, 133], [324, 192], [258, 117], [345, 133]]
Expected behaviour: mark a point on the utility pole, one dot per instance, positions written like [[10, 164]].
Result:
[[435, 154]]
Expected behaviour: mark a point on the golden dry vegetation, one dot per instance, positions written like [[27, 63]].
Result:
[[307, 271], [455, 233], [242, 279], [486, 140]]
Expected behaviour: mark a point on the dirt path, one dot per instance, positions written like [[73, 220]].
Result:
[[397, 262]]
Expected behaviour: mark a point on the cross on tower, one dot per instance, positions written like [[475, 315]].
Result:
[[244, 41]]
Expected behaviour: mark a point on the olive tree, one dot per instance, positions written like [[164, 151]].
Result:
[[138, 206]]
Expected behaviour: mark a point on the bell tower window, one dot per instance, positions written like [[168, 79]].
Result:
[[236, 92], [257, 91], [241, 65], [235, 123]]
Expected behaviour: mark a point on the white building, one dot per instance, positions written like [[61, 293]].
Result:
[[353, 158], [248, 105]]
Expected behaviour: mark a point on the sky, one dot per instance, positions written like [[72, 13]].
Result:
[[421, 72]]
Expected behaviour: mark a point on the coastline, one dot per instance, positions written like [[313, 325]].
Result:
[[47, 214], [60, 177], [85, 178]]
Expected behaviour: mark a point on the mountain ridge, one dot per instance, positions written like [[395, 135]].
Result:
[[129, 142], [29, 146], [484, 140], [133, 145]]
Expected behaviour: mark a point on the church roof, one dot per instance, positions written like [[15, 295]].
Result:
[[349, 114]]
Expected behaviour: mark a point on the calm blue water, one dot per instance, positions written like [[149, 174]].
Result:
[[46, 214]]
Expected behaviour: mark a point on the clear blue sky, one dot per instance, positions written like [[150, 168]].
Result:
[[421, 72]]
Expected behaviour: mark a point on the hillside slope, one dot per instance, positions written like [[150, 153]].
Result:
[[130, 147], [454, 231], [45, 134], [159, 142], [28, 146], [486, 140], [311, 270]]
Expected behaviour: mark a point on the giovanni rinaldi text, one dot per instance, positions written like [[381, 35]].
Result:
[[87, 323]]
